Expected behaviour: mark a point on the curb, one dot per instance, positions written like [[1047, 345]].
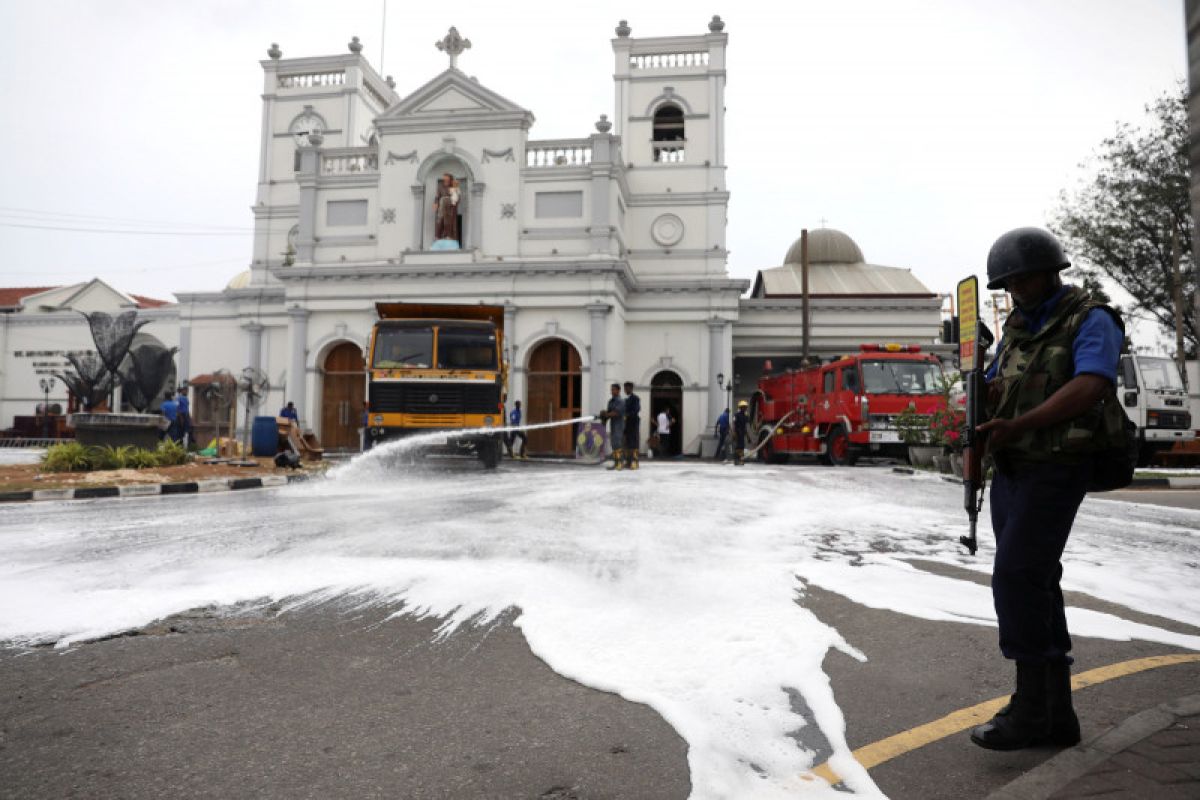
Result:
[[1060, 770], [152, 489]]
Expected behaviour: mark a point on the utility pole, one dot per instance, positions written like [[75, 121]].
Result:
[[1191, 12], [806, 318]]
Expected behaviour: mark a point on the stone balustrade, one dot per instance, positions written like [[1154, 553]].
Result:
[[669, 60], [670, 152], [308, 80], [559, 153], [349, 161]]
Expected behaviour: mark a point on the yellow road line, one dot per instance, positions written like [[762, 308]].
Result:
[[876, 753]]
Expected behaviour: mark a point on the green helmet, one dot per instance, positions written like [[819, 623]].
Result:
[[1023, 250]]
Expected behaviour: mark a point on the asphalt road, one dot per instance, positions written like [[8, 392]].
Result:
[[345, 698], [1171, 498]]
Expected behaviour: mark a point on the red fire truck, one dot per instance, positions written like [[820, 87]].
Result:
[[846, 408]]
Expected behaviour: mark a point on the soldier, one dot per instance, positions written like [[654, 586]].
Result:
[[1053, 409], [615, 414], [633, 422], [740, 422]]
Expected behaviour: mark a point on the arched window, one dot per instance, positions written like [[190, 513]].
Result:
[[669, 136]]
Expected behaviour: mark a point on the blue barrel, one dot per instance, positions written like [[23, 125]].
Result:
[[264, 437]]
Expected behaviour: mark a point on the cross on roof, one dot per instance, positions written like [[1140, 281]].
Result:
[[823, 221], [453, 45]]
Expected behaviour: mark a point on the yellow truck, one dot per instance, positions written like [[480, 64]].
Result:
[[433, 368]]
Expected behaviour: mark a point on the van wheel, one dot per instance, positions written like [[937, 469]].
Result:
[[837, 448]]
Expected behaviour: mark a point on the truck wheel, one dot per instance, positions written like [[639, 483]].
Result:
[[837, 447], [489, 453]]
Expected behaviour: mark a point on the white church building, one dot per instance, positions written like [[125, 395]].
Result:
[[608, 252]]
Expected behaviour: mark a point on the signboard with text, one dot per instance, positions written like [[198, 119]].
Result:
[[968, 318]]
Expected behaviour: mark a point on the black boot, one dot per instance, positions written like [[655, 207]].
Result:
[[1064, 725], [1025, 721]]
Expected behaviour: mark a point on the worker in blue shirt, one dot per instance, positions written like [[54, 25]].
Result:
[[183, 415], [722, 435], [514, 421], [1052, 410], [170, 411], [289, 412]]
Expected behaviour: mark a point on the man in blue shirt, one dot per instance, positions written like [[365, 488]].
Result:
[[722, 435], [170, 410], [183, 415], [289, 411], [1053, 409], [514, 421]]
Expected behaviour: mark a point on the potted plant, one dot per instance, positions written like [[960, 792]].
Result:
[[914, 432], [946, 428]]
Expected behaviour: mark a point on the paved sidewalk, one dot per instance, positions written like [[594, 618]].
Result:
[[1154, 754]]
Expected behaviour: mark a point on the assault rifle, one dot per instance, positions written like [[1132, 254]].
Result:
[[974, 339]]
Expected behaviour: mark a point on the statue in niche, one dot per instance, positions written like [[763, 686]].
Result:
[[445, 210]]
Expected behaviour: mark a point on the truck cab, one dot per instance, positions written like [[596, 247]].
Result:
[[438, 368], [1151, 390]]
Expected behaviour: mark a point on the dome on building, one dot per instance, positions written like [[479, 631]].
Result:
[[826, 246], [242, 280]]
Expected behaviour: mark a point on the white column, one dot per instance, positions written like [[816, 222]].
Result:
[[254, 332], [297, 360], [475, 218], [306, 179], [184, 360], [598, 316], [716, 365], [418, 233]]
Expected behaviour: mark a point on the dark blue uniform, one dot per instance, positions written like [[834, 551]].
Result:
[[633, 422]]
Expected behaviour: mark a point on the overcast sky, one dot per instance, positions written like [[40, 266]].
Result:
[[923, 129]]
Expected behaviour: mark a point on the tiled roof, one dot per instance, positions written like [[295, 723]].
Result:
[[12, 296]]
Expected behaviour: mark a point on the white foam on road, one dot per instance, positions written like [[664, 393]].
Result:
[[680, 586]]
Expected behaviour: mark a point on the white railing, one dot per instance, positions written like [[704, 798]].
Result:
[[559, 153], [350, 161], [307, 80], [669, 152], [669, 60]]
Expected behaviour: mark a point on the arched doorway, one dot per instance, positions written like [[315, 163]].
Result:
[[554, 391], [343, 391], [666, 392]]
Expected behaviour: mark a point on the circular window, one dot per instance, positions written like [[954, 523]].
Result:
[[667, 230]]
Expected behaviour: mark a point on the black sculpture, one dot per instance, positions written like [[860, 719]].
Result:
[[91, 381], [114, 335], [149, 366]]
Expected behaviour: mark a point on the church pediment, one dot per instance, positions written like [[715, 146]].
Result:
[[452, 98]]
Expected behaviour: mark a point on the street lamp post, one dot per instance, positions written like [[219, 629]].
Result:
[[727, 388], [47, 384]]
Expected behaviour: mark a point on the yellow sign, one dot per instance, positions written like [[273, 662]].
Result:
[[968, 318]]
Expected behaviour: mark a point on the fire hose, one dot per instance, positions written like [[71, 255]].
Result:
[[775, 428]]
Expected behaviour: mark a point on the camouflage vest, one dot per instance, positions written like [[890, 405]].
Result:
[[1033, 366]]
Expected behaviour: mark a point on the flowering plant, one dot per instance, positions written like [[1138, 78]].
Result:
[[947, 427]]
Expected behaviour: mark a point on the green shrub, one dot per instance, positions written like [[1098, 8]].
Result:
[[170, 453], [913, 427], [109, 457], [141, 459], [67, 457]]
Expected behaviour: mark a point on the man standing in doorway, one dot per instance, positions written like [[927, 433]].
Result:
[[514, 421], [664, 432], [633, 422], [615, 414]]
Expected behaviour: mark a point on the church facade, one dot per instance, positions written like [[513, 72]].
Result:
[[608, 251]]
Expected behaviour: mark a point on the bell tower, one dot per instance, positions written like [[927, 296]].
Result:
[[670, 97]]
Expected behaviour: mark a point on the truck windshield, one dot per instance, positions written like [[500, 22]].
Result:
[[403, 348], [466, 348], [901, 377], [1160, 373]]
